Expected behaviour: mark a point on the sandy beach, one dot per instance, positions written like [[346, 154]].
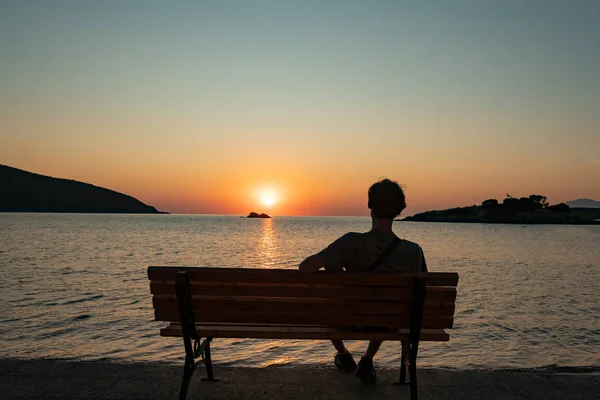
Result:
[[48, 379]]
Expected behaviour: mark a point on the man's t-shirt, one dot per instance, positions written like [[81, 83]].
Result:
[[355, 252]]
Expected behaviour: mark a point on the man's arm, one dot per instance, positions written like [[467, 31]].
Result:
[[312, 264], [331, 258]]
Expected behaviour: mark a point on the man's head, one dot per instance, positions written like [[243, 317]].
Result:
[[386, 199]]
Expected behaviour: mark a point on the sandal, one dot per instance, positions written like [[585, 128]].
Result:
[[345, 362], [366, 370]]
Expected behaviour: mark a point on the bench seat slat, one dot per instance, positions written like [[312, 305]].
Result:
[[294, 276], [295, 332], [400, 321]]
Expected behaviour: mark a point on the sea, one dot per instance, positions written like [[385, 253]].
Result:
[[75, 287]]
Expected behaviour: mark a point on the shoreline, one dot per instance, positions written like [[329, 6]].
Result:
[[545, 369], [594, 222], [50, 379]]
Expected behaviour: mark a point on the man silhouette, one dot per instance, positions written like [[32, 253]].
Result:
[[377, 250]]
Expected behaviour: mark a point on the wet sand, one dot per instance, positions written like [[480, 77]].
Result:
[[48, 379]]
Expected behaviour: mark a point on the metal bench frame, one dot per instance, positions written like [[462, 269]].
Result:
[[201, 348]]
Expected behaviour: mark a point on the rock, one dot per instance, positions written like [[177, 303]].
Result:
[[257, 215]]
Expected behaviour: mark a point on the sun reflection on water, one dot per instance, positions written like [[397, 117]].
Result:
[[268, 247]]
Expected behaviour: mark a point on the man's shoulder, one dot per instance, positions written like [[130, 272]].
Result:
[[410, 246], [408, 243], [350, 236], [345, 239]]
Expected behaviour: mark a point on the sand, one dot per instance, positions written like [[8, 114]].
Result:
[[49, 379]]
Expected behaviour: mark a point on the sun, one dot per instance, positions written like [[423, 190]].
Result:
[[268, 197], [268, 201]]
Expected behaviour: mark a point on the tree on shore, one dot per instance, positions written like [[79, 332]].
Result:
[[510, 203], [524, 205], [539, 200], [560, 207], [490, 203]]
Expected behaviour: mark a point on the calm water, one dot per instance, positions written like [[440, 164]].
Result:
[[75, 287]]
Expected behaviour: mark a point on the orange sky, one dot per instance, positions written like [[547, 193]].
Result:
[[312, 102], [239, 189]]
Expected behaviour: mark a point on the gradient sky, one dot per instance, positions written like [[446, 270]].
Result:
[[197, 106]]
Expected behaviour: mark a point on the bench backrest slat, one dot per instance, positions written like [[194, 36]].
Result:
[[391, 293], [249, 275], [302, 305]]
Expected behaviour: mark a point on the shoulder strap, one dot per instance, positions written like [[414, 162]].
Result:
[[385, 253], [424, 263]]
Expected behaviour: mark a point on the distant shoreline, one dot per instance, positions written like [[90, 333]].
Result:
[[34, 193], [587, 223], [366, 218], [503, 214], [88, 212]]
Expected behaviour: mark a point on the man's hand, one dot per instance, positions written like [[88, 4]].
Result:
[[312, 264]]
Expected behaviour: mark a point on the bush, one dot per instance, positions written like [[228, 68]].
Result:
[[490, 203], [560, 208]]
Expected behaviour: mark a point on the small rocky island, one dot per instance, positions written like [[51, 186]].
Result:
[[257, 215], [534, 209]]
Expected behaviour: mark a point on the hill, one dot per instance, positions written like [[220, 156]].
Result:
[[590, 213], [583, 203], [526, 210], [24, 191]]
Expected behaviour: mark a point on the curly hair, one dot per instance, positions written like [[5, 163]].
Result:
[[386, 199]]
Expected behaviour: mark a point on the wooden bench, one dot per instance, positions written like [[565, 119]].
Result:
[[287, 304]]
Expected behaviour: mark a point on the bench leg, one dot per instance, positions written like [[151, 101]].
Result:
[[409, 359], [188, 369], [403, 380], [412, 369], [404, 361], [208, 362]]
